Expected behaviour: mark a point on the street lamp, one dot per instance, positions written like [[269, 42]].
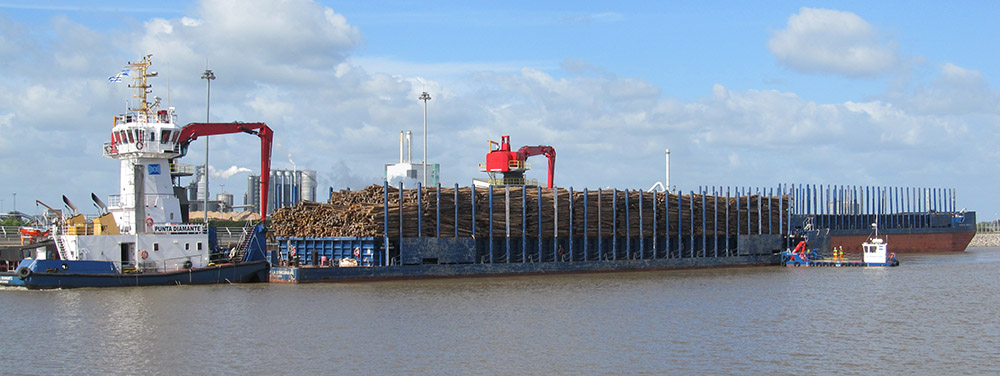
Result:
[[208, 76], [425, 97]]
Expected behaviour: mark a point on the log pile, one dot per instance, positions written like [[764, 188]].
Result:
[[361, 213]]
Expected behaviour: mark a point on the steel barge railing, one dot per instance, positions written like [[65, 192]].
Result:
[[858, 207]]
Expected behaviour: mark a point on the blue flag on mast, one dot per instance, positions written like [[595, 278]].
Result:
[[118, 76]]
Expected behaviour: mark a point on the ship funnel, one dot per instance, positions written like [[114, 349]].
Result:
[[70, 205]]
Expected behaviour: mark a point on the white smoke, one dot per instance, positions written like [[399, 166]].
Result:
[[227, 173]]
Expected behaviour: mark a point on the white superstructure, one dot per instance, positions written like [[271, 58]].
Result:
[[142, 228]]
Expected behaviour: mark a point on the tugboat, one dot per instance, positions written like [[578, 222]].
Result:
[[874, 253], [141, 237]]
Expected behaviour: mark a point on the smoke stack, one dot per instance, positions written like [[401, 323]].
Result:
[[409, 147], [400, 146], [666, 183]]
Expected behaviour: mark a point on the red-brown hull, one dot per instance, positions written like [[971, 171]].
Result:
[[909, 243]]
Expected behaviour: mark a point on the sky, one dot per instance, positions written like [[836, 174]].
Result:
[[751, 94]]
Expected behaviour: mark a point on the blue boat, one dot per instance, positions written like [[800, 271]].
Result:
[[874, 253]]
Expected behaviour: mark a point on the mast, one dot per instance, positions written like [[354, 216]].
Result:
[[140, 87]]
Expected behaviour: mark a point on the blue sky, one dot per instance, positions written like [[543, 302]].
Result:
[[743, 93]]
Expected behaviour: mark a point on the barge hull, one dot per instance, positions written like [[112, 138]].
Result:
[[255, 271], [931, 242], [282, 274]]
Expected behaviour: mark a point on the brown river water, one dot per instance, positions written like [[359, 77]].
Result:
[[936, 314]]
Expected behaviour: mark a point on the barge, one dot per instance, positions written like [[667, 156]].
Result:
[[917, 220], [521, 230]]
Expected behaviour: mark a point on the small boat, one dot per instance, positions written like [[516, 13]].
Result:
[[141, 237], [874, 253], [32, 235]]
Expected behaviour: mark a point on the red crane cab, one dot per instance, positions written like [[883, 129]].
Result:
[[512, 164]]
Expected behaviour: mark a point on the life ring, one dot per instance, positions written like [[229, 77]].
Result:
[[149, 221], [187, 264], [138, 145], [23, 273], [357, 252], [144, 255], [107, 149]]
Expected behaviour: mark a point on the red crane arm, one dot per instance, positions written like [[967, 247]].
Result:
[[192, 131], [527, 151]]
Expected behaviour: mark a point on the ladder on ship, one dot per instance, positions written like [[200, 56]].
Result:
[[61, 247], [240, 252]]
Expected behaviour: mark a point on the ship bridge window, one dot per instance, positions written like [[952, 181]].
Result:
[[177, 135], [164, 136], [131, 137], [152, 137], [122, 138]]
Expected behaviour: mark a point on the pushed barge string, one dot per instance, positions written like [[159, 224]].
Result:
[[507, 230]]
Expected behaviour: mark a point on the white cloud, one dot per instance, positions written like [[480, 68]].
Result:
[[834, 42], [293, 32], [955, 90]]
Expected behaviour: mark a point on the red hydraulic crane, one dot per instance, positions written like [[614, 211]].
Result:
[[192, 131], [512, 163]]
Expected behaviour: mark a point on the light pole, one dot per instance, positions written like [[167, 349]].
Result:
[[208, 76], [425, 97]]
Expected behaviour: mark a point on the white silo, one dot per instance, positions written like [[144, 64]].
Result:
[[307, 183]]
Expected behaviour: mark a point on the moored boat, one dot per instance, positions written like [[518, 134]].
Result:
[[874, 253], [142, 237]]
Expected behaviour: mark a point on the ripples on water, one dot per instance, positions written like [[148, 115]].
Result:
[[935, 314]]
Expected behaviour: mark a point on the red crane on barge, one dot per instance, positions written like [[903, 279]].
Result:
[[513, 164]]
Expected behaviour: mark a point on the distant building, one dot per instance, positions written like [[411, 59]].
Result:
[[406, 171]]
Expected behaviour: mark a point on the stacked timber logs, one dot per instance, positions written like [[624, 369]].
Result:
[[529, 211], [348, 213]]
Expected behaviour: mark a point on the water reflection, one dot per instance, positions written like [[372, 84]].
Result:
[[719, 321]]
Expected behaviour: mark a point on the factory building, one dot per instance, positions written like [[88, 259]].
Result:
[[406, 171]]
